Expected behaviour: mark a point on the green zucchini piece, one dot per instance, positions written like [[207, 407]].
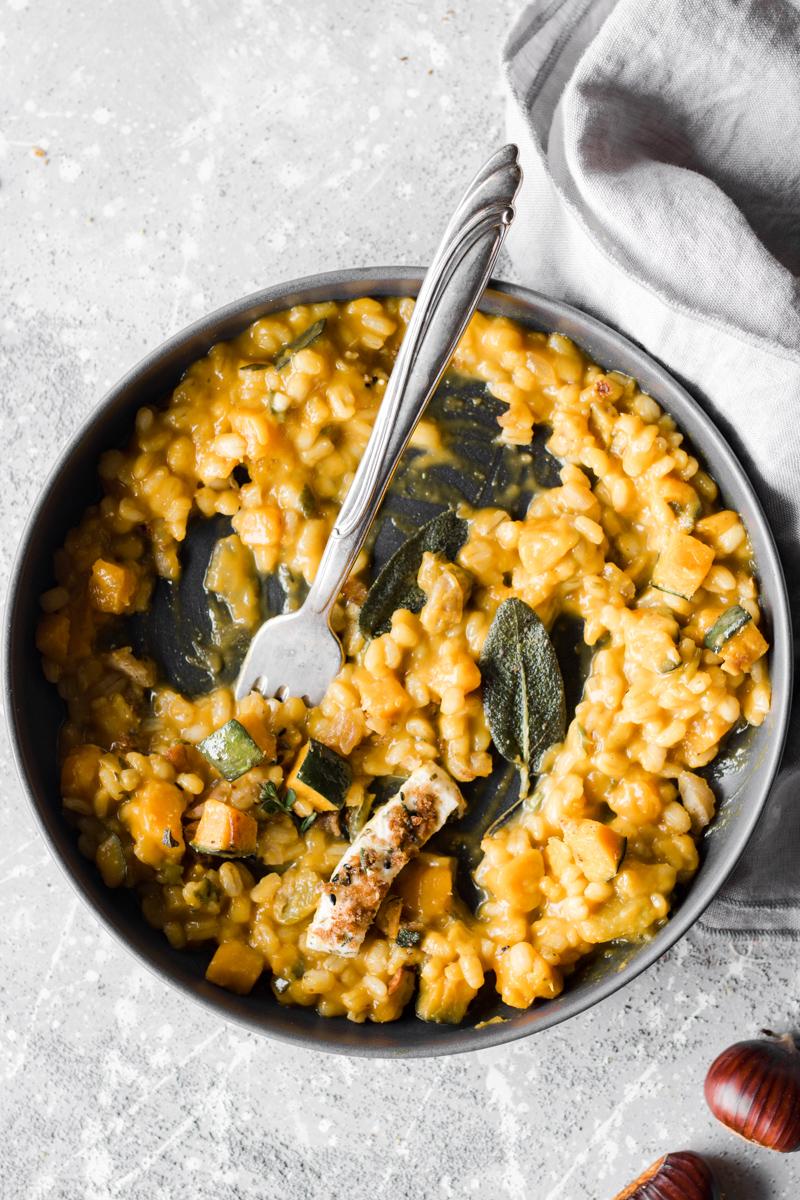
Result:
[[723, 629], [396, 585], [523, 690], [355, 817], [231, 750], [320, 776]]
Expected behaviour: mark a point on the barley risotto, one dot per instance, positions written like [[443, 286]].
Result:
[[292, 841]]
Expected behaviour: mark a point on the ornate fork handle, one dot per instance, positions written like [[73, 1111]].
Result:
[[449, 295]]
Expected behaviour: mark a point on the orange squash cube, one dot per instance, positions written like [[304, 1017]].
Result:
[[235, 966], [111, 587], [79, 772], [426, 886], [225, 830], [153, 817], [52, 636]]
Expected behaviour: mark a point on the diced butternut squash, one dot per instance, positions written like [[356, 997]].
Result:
[[79, 772], [225, 830], [52, 636], [427, 886], [683, 565], [714, 528], [153, 817], [235, 966], [598, 849], [111, 587], [744, 649]]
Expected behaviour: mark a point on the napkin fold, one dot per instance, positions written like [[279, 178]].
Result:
[[660, 141]]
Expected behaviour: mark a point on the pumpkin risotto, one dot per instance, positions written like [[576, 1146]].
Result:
[[236, 823]]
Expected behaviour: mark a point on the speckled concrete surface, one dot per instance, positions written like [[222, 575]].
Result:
[[156, 160]]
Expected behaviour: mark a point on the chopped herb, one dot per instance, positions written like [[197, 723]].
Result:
[[269, 800], [407, 937], [255, 366], [307, 822], [300, 342], [168, 840], [308, 502]]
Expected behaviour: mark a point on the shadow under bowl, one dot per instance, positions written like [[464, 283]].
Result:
[[35, 711]]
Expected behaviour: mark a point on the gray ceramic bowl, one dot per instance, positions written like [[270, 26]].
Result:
[[35, 712]]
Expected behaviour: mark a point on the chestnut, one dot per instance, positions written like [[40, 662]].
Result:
[[680, 1176], [754, 1089]]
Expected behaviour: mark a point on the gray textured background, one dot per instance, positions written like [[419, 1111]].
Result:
[[194, 152]]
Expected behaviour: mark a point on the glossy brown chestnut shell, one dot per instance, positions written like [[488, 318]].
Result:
[[680, 1176], [754, 1089]]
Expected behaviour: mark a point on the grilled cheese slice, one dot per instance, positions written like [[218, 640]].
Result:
[[368, 868]]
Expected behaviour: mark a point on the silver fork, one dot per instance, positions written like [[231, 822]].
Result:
[[298, 654]]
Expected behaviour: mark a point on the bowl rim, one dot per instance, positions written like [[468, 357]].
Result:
[[550, 313]]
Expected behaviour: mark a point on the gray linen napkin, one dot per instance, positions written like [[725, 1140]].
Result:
[[660, 141]]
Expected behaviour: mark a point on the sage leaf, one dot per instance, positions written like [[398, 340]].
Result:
[[285, 353], [308, 502], [396, 585], [300, 342], [523, 691]]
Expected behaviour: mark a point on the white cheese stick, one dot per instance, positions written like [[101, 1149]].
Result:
[[366, 870]]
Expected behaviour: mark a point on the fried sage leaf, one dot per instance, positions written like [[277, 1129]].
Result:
[[396, 585], [285, 353], [523, 691]]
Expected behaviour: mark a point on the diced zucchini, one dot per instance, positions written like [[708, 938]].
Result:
[[744, 649], [231, 750], [427, 886], [723, 629], [355, 816], [598, 850], [225, 831], [320, 776], [235, 966], [682, 566]]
